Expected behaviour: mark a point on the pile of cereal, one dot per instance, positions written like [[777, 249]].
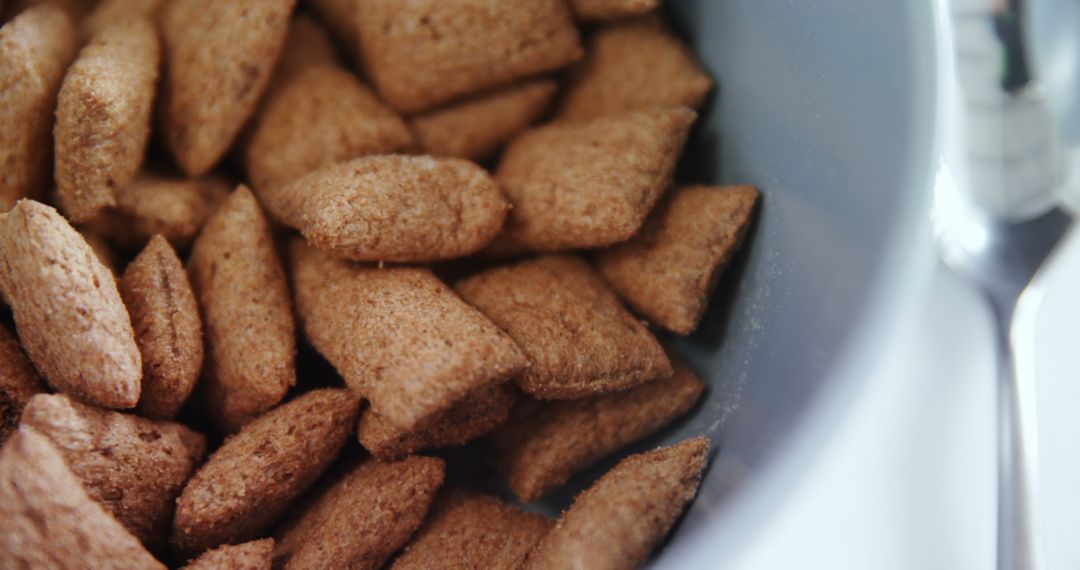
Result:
[[464, 207]]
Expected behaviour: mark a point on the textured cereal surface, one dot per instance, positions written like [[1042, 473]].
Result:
[[628, 511], [110, 12], [18, 382], [546, 442], [68, 313], [668, 271], [254, 555], [103, 117], [321, 116], [35, 50], [633, 65], [253, 478], [218, 59], [398, 336], [167, 326], [247, 314], [306, 45], [363, 518], [470, 531], [133, 466], [394, 208], [173, 207], [47, 520], [477, 127], [591, 184], [579, 339], [426, 52], [611, 9], [472, 417]]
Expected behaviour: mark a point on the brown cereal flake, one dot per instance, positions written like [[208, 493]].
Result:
[[254, 555], [244, 297], [628, 511], [669, 269], [133, 466], [546, 442], [398, 336], [68, 312], [110, 12], [359, 521], [579, 339], [165, 317], [468, 531], [253, 478], [583, 185], [423, 53]]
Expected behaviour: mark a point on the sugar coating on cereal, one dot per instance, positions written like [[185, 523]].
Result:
[[68, 313], [103, 117], [158, 295], [634, 65], [110, 12], [242, 290], [468, 530], [477, 127], [47, 519], [401, 209], [475, 415], [253, 555], [245, 486], [133, 466], [578, 337], [545, 443], [610, 9], [423, 53], [591, 184], [363, 518], [18, 382], [218, 59], [398, 336], [669, 269], [175, 208], [629, 511], [320, 116], [35, 50]]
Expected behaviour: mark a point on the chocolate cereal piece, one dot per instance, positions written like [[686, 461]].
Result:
[[547, 442], [476, 127], [18, 382], [110, 12], [242, 290], [423, 53], [628, 511], [398, 336], [67, 310], [103, 117], [611, 9], [254, 555], [133, 466], [167, 326], [176, 208], [579, 339], [256, 474], [362, 519], [590, 184], [47, 520], [634, 65], [400, 209], [218, 58], [35, 50], [321, 116], [472, 417], [669, 269], [468, 530]]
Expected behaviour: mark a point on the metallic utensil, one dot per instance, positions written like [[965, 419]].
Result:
[[997, 230]]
